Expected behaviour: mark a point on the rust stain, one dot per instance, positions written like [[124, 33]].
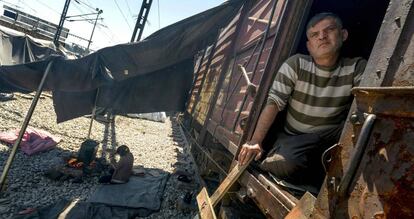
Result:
[[398, 203], [405, 74], [379, 215]]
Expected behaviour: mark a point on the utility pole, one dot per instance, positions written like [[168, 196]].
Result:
[[141, 20], [94, 25], [62, 20]]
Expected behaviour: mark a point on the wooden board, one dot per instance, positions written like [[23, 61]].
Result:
[[228, 182], [204, 205]]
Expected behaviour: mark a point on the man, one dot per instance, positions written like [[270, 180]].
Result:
[[316, 92], [122, 169]]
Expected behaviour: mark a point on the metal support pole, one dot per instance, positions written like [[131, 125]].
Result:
[[62, 20], [94, 25], [93, 113], [24, 126], [141, 20]]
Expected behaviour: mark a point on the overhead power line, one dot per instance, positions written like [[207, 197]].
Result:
[[86, 4], [83, 15], [129, 8], [110, 37], [80, 15], [11, 4], [19, 5], [123, 15], [84, 19], [78, 37], [47, 6]]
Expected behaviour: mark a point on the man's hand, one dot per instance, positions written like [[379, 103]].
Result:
[[254, 147], [248, 151]]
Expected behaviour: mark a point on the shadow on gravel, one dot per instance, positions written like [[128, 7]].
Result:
[[109, 137], [185, 180], [32, 185], [184, 163]]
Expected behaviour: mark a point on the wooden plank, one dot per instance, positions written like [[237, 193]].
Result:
[[204, 205], [228, 182]]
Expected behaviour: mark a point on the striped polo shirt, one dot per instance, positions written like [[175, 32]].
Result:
[[317, 99]]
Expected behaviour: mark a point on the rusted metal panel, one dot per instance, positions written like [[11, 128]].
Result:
[[384, 180], [386, 101], [390, 64], [384, 185], [387, 175], [392, 47], [402, 63], [304, 208]]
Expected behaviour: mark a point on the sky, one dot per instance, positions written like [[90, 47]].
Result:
[[119, 16]]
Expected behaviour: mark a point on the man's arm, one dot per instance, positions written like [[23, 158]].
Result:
[[254, 146], [277, 99]]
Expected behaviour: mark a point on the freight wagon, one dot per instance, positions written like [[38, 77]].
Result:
[[369, 173]]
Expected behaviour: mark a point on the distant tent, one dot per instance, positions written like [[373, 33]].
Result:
[[19, 48]]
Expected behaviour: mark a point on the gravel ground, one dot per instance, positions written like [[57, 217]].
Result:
[[154, 145]]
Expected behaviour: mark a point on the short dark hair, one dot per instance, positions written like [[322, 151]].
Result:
[[122, 150], [321, 16]]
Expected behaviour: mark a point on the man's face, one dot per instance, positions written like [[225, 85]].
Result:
[[325, 38]]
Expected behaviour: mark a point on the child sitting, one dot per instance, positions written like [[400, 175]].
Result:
[[121, 170]]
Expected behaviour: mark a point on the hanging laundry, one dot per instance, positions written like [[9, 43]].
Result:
[[33, 141]]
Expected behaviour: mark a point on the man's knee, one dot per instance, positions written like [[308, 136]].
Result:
[[280, 166]]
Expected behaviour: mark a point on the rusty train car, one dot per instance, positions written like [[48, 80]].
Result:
[[370, 172]]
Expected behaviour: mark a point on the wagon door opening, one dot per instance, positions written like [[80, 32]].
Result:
[[363, 20]]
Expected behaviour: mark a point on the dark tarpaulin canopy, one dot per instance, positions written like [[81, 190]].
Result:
[[152, 75]]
